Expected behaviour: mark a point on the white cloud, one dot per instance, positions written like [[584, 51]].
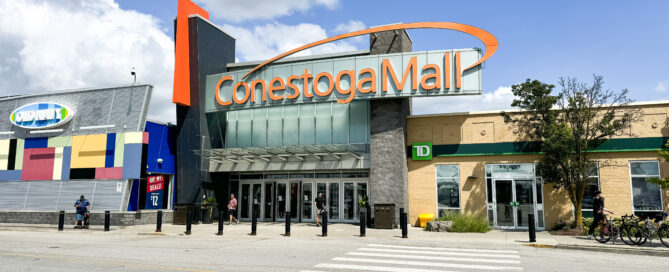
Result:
[[350, 26], [244, 10], [662, 86], [500, 99], [49, 46], [266, 41]]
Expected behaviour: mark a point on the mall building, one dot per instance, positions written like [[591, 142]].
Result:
[[57, 146], [276, 133]]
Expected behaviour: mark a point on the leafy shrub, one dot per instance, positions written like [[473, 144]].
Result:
[[465, 223], [571, 224]]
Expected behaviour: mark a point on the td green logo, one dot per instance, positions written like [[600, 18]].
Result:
[[421, 151]]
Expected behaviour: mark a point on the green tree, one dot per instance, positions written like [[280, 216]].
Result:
[[663, 182], [569, 126]]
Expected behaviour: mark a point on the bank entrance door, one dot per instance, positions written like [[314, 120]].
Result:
[[513, 198]]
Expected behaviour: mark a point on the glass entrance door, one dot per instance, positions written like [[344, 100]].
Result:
[[281, 200], [268, 213], [514, 199], [308, 201]]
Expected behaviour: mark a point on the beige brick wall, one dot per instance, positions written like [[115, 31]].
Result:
[[490, 128]]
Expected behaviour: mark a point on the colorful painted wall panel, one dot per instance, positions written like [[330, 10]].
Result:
[[161, 146], [40, 142], [4, 154], [109, 173], [118, 152], [60, 141], [67, 155], [19, 154], [109, 153], [88, 151], [38, 163], [57, 163], [134, 137], [10, 175], [132, 161]]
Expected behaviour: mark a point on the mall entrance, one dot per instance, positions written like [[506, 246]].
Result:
[[273, 195], [514, 191]]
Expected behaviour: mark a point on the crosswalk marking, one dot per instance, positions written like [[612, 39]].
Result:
[[407, 258], [441, 253], [375, 268], [448, 249], [433, 264], [436, 258]]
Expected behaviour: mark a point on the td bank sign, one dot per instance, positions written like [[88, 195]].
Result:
[[353, 77], [421, 151]]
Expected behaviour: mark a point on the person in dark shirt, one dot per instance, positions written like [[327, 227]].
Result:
[[82, 206], [320, 207], [598, 212]]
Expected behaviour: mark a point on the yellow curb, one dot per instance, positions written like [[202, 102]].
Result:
[[540, 245]]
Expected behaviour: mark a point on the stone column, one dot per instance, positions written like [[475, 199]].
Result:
[[388, 158]]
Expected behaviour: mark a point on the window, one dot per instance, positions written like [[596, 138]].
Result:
[[646, 197], [593, 185], [448, 188]]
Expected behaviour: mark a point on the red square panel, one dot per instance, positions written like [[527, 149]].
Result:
[[145, 138], [109, 173], [38, 163]]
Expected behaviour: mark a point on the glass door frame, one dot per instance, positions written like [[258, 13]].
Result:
[[314, 194], [251, 183], [342, 202], [513, 177], [514, 197]]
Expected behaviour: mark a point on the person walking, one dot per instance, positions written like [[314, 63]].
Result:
[[598, 212], [320, 207], [82, 207], [232, 209]]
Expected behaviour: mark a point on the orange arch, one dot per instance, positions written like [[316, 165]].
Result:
[[488, 39]]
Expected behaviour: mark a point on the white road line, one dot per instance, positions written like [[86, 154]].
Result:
[[433, 264], [375, 268], [440, 253], [448, 249], [456, 259]]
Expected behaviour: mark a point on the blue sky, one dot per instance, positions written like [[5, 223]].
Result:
[[96, 42]]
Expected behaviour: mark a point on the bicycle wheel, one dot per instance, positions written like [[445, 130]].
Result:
[[635, 234], [624, 235], [603, 233], [663, 234]]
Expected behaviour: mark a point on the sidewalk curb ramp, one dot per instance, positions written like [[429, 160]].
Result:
[[621, 250]]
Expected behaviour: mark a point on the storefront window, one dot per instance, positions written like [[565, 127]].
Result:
[[340, 123], [244, 118], [448, 188], [274, 125], [647, 197], [259, 127], [290, 122], [323, 123], [590, 189], [307, 133], [358, 122]]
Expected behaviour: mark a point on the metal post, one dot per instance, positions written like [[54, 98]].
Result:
[[61, 220], [254, 221], [107, 218], [159, 221], [220, 222], [189, 220], [287, 224], [325, 224], [403, 223], [363, 222], [532, 228]]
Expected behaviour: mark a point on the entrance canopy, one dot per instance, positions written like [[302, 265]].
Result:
[[284, 153]]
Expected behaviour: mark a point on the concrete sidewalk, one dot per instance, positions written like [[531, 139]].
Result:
[[344, 232]]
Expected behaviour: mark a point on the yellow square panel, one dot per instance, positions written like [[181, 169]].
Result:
[[133, 137], [88, 151]]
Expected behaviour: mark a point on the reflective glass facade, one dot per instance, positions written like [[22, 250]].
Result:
[[306, 124]]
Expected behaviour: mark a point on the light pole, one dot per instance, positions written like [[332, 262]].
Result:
[[134, 76]]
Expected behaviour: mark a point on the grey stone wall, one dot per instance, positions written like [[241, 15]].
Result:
[[388, 162], [97, 218]]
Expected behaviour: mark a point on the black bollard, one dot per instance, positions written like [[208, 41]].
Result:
[[61, 220], [325, 224], [287, 224], [189, 221], [220, 222], [159, 221], [107, 218], [254, 221], [532, 228], [363, 222], [403, 222]]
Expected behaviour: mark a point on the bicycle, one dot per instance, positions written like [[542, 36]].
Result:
[[650, 230], [627, 222], [607, 229]]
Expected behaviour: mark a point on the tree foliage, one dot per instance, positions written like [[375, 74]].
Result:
[[663, 182], [569, 125]]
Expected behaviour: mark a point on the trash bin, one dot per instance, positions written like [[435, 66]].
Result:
[[424, 218], [179, 215], [384, 216]]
